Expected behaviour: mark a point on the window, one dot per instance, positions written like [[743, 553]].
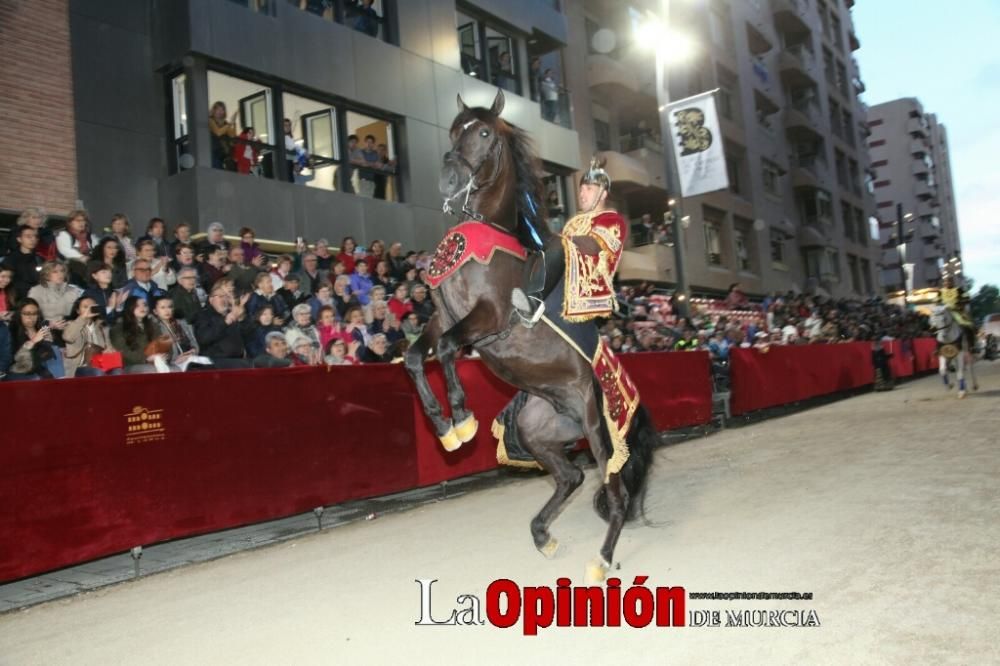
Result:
[[848, 127], [714, 220], [772, 177], [733, 171], [832, 268], [852, 266], [812, 259], [728, 95], [249, 106], [838, 38], [312, 152], [377, 148], [545, 81], [487, 53], [777, 247], [556, 200], [817, 208], [828, 69], [835, 125], [866, 276], [602, 135], [259, 6], [744, 243], [182, 158], [371, 21], [842, 79], [840, 160], [861, 225], [847, 213], [720, 28], [854, 176]]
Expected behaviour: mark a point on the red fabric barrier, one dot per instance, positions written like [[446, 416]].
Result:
[[789, 374], [86, 477], [925, 355], [901, 362]]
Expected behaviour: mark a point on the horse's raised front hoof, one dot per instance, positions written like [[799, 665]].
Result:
[[596, 572], [467, 429], [550, 548], [450, 440]]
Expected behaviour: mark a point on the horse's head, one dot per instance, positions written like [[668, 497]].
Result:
[[477, 156]]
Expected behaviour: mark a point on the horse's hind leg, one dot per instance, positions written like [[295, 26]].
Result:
[[943, 371], [544, 432], [415, 366], [960, 372]]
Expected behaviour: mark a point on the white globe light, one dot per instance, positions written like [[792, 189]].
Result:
[[604, 41]]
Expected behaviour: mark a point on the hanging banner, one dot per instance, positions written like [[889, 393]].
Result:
[[697, 145]]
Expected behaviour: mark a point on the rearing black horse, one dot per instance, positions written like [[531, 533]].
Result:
[[489, 171]]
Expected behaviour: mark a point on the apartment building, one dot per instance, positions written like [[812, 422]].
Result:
[[909, 150], [798, 212]]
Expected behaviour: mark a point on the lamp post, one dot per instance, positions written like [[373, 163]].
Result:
[[656, 34]]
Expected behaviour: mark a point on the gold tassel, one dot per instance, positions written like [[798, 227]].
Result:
[[498, 431]]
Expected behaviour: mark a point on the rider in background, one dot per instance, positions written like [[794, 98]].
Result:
[[593, 240], [957, 301]]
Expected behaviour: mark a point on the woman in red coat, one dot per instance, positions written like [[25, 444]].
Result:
[[346, 256], [244, 150]]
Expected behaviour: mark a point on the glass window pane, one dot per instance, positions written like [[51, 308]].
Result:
[[180, 106], [240, 105], [372, 161]]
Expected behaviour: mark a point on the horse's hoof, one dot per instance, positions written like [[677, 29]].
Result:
[[550, 548], [450, 441], [467, 429], [596, 572]]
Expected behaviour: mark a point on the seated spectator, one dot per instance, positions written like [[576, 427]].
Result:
[[160, 272], [291, 294], [23, 261], [412, 328], [302, 326], [109, 251], [322, 298], [382, 277], [182, 236], [340, 353], [131, 336], [354, 325], [243, 276], [156, 232], [375, 317], [183, 258], [142, 285], [399, 304], [252, 254], [343, 299], [393, 330], [421, 304], [264, 295], [282, 268], [214, 267], [376, 294], [328, 327], [101, 291], [55, 296], [397, 262], [121, 232], [304, 354], [6, 351], [187, 296], [311, 276], [324, 258], [8, 297], [74, 244], [85, 336], [377, 350], [183, 342], [217, 329], [215, 238], [275, 351], [35, 353], [36, 219], [262, 323], [346, 254]]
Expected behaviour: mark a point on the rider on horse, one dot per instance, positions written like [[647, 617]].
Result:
[[587, 252], [957, 301]]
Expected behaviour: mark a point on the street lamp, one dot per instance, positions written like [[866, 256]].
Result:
[[657, 34]]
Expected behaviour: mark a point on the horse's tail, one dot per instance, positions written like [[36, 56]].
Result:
[[641, 441]]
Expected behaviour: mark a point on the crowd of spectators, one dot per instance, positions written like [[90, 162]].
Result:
[[79, 303]]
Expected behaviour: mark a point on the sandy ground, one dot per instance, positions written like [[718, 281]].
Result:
[[883, 506]]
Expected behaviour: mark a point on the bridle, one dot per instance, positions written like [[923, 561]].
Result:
[[471, 185]]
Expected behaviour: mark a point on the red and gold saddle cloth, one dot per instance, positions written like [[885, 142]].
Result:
[[468, 241]]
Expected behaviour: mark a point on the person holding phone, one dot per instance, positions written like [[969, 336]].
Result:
[[55, 296], [87, 334], [35, 355]]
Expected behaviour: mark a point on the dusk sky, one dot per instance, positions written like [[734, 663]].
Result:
[[948, 56]]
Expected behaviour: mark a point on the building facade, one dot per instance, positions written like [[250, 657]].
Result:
[[909, 150]]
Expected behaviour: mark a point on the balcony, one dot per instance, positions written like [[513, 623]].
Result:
[[916, 127], [610, 78], [928, 229], [807, 170], [918, 147], [852, 39], [803, 122], [925, 209], [757, 41], [790, 15], [639, 168], [918, 167], [924, 190], [796, 65]]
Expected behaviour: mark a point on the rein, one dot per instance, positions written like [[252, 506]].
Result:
[[471, 185]]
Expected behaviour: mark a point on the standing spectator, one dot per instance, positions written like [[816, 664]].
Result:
[[312, 277], [109, 251], [422, 305], [291, 168], [24, 262], [242, 275], [386, 166], [255, 334], [36, 219], [8, 297], [503, 73], [121, 231], [74, 244], [346, 254], [367, 19], [252, 254], [550, 97], [85, 336], [736, 299], [55, 296], [361, 282], [131, 336], [182, 236], [187, 296], [102, 291], [370, 161], [223, 136], [217, 329], [283, 266], [535, 78], [264, 295], [161, 273], [245, 152], [274, 353], [35, 354], [353, 158], [156, 231], [142, 285], [291, 294], [324, 257]]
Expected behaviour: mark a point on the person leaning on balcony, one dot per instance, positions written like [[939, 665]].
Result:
[[223, 131]]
